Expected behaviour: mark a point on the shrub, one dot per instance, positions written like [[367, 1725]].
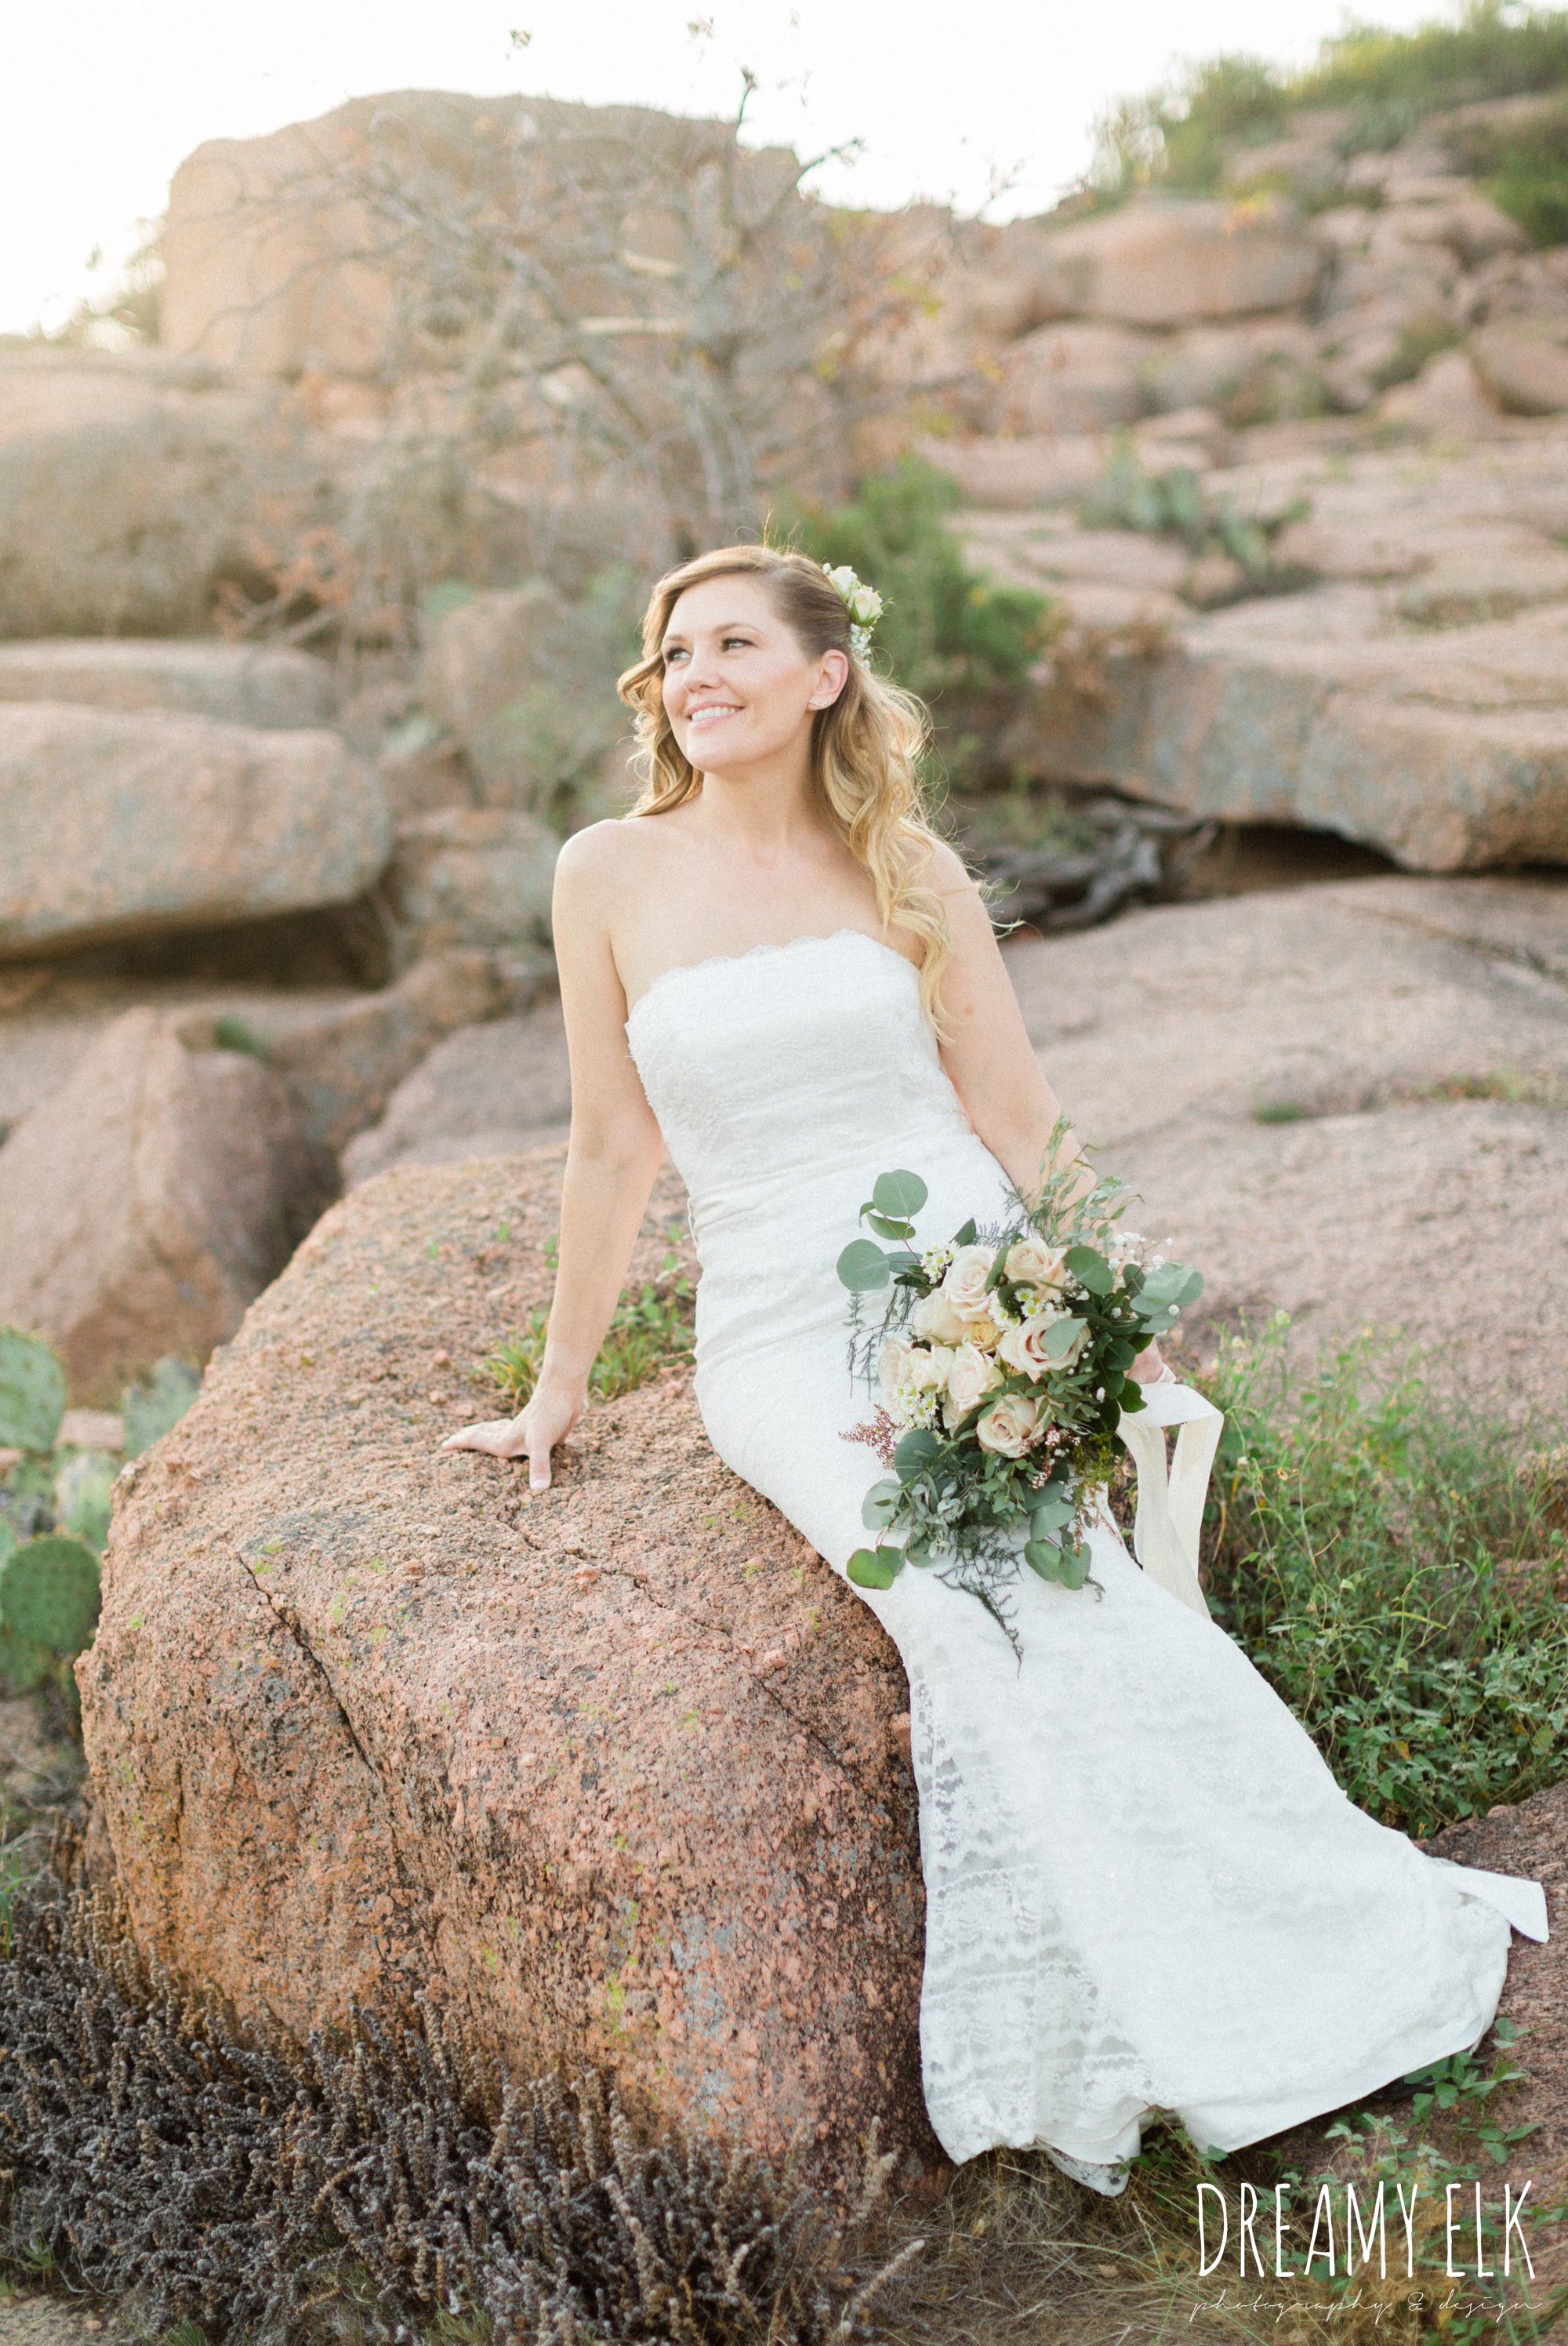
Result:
[[380, 2183], [1185, 133], [945, 633], [1524, 167], [1387, 1563], [1173, 503]]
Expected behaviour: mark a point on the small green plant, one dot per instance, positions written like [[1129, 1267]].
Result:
[[1273, 1111], [650, 1328], [1174, 505], [1369, 1547], [32, 1391], [231, 1033]]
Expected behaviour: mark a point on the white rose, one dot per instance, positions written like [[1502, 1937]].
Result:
[[971, 1376], [965, 1283], [1008, 1426], [934, 1318], [930, 1370], [1031, 1263], [1022, 1347]]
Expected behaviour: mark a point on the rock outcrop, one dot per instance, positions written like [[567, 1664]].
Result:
[[1165, 261], [489, 1091], [525, 680], [119, 823], [147, 1203], [241, 684], [616, 1771], [1415, 700], [473, 876]]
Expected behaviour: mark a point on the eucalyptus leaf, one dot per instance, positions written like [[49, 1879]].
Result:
[[1173, 1282], [1090, 1269], [965, 1237], [1074, 1565], [880, 1503], [1060, 1337], [901, 1259], [915, 1453], [863, 1267], [898, 1195], [1050, 1515], [875, 1568], [1044, 1557], [885, 1228], [1132, 1397]]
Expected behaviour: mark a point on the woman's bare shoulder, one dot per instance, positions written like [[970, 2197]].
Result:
[[607, 855], [935, 864]]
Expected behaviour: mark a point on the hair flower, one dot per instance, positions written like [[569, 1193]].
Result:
[[863, 604]]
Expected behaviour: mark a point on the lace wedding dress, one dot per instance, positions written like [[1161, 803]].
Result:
[[1144, 1888]]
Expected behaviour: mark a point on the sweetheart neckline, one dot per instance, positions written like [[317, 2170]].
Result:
[[752, 952]]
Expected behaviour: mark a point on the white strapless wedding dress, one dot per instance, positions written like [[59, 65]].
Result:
[[1144, 1888]]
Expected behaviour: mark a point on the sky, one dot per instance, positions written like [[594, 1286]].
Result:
[[950, 98]]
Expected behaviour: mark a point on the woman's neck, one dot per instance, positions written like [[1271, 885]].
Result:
[[760, 815]]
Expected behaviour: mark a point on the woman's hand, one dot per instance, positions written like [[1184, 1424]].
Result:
[[1147, 1367], [532, 1434]]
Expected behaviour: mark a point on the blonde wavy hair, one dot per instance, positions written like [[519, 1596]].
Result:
[[864, 746]]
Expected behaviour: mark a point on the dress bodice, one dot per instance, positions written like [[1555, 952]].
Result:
[[775, 1070]]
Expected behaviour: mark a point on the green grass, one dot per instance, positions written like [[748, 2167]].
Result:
[[1388, 1562], [1273, 1111], [651, 1328]]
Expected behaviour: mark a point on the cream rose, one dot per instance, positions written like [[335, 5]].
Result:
[[1008, 1426], [930, 1370], [934, 1318], [971, 1376], [1022, 1347], [965, 1283], [895, 1367], [1031, 1263]]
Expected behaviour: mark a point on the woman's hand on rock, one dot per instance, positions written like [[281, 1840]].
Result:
[[532, 1434]]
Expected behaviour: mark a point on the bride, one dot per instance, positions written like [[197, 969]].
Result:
[[1145, 1890]]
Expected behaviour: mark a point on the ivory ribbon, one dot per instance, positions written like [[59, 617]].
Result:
[[1170, 1506]]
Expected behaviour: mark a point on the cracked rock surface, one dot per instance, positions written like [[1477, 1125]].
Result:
[[615, 1770]]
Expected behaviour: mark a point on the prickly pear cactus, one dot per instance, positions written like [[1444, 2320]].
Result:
[[150, 1407], [32, 1392], [49, 1593], [23, 1664], [82, 1496]]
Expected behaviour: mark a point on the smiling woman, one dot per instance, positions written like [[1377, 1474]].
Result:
[[1145, 1890]]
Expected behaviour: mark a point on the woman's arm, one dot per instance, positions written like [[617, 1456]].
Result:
[[612, 1157], [990, 1061]]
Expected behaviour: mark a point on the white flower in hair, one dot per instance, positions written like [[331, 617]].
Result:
[[863, 604]]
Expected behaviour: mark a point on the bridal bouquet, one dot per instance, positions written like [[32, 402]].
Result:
[[1001, 1360]]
